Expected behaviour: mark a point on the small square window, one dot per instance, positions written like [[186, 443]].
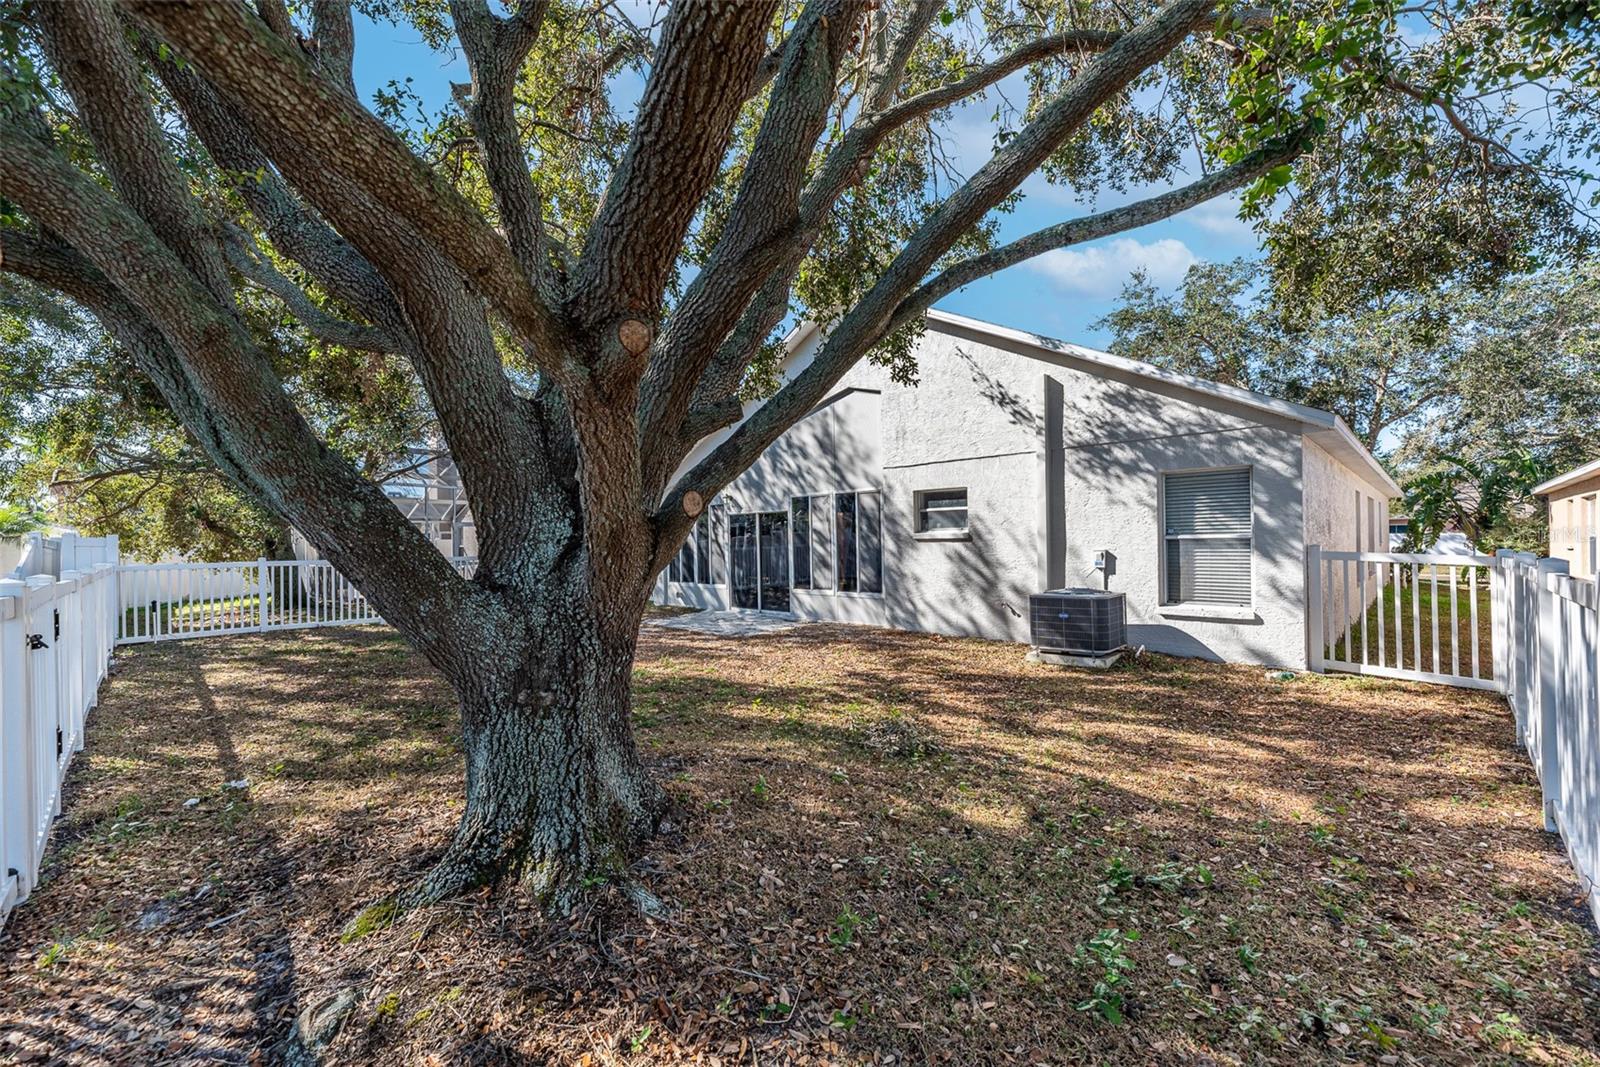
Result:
[[941, 510]]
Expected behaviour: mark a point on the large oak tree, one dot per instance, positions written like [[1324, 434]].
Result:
[[586, 280]]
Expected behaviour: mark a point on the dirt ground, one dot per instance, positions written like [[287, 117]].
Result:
[[885, 848]]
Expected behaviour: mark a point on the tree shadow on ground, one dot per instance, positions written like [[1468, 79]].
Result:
[[881, 843]]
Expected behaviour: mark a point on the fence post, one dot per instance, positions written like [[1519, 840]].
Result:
[[1315, 637], [69, 675], [1551, 657], [16, 740], [263, 584]]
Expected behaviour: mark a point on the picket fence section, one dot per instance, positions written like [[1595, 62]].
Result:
[[1550, 625], [56, 641], [172, 601], [1421, 617], [56, 636]]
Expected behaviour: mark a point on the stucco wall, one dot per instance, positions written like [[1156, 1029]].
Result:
[[1573, 522], [836, 448], [1119, 440], [1344, 513], [1058, 462]]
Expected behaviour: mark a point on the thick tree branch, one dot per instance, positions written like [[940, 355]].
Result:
[[1093, 227], [419, 299], [495, 50], [85, 42], [869, 320], [293, 229], [333, 33], [306, 123], [708, 55], [721, 374], [760, 229]]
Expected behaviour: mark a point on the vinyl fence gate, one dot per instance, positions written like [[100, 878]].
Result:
[[1424, 617]]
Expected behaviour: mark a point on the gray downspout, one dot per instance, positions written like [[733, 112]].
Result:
[[1050, 535]]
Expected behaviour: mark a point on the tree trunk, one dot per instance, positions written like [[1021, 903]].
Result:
[[556, 793]]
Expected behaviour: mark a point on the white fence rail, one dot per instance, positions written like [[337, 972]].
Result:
[[56, 637]]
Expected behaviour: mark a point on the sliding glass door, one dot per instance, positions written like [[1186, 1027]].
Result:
[[758, 551]]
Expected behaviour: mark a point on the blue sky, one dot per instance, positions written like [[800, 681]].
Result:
[[1060, 294]]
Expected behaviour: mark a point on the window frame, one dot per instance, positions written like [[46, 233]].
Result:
[[1202, 607], [833, 544], [697, 562], [919, 510]]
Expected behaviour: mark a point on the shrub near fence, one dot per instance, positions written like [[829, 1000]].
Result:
[[1548, 625]]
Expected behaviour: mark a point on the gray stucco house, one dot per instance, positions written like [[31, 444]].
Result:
[[1008, 469]]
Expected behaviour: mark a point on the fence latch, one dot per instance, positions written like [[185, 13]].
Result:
[[58, 742], [57, 614], [36, 642]]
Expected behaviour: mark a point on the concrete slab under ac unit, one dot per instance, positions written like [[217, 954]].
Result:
[[1064, 659]]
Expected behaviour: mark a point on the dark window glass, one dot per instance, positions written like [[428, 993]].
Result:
[[869, 538], [800, 532], [675, 568], [844, 507], [742, 557], [702, 549], [685, 566], [774, 526]]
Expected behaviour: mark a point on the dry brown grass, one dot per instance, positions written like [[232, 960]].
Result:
[[886, 846]]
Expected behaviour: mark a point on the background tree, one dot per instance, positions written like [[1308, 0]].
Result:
[[584, 286], [1453, 370], [1489, 499]]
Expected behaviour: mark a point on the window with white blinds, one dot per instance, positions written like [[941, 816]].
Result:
[[1206, 516]]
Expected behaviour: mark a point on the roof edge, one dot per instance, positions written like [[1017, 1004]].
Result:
[[1316, 420], [1560, 481]]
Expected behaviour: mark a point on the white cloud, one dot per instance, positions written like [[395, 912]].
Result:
[[1102, 270], [1221, 217]]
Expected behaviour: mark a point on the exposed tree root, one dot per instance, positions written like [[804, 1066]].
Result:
[[559, 870]]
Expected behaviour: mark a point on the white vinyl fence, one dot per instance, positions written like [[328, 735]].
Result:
[[56, 636], [1415, 616], [1551, 627], [56, 640], [166, 601], [1513, 623]]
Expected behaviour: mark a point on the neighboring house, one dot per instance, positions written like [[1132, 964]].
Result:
[[1574, 523], [1008, 469], [1399, 530], [427, 490]]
